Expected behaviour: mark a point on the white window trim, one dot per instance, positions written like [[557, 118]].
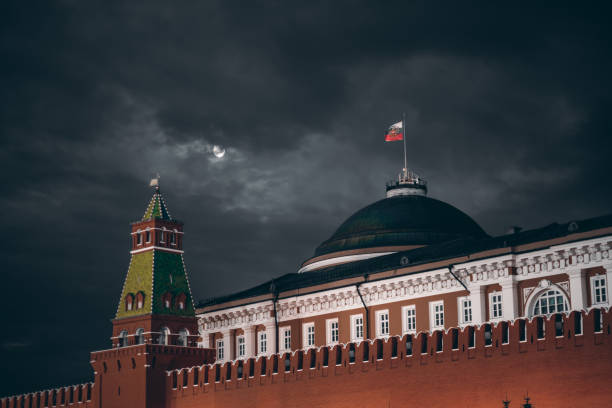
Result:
[[283, 330], [461, 320], [432, 317], [500, 317], [592, 280], [305, 327], [379, 333], [217, 343], [354, 327], [328, 326], [405, 310], [260, 335], [238, 338]]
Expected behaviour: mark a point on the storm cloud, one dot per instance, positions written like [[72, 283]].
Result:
[[507, 112]]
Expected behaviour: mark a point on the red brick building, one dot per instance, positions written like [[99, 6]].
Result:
[[409, 303]]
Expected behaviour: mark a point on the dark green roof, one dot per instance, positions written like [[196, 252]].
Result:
[[156, 208], [401, 220], [423, 255]]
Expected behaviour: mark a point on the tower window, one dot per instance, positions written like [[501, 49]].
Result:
[[163, 337], [167, 300], [182, 338], [139, 300], [139, 238], [181, 299], [129, 302], [123, 338], [173, 238], [140, 336], [162, 235], [148, 235]]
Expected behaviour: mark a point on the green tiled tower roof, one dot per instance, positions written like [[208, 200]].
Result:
[[156, 274], [156, 208]]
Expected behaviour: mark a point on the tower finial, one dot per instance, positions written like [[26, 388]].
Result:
[[155, 182]]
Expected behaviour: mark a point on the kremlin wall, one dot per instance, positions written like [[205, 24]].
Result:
[[409, 303]]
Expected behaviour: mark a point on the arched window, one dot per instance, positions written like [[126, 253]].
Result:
[[140, 300], [138, 237], [163, 337], [162, 235], [550, 301], [167, 300], [182, 338], [140, 336], [123, 338], [129, 302], [181, 300]]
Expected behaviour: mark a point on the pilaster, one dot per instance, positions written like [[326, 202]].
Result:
[[249, 339], [578, 293], [477, 297], [509, 298]]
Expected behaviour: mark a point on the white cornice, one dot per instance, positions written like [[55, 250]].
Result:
[[497, 269], [174, 251]]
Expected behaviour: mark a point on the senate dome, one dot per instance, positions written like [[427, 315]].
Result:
[[405, 219]]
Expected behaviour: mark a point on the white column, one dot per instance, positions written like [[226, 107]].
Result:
[[509, 298], [477, 297], [227, 344], [578, 288], [608, 268], [249, 341]]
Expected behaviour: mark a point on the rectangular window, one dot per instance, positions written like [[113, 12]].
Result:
[[161, 236], [505, 333], [309, 335], [263, 342], [148, 236], [599, 294], [356, 327], [488, 335], [409, 319], [471, 337], [139, 235], [332, 331], [436, 311], [241, 346], [286, 338], [541, 328], [382, 318], [465, 310], [220, 350], [597, 321], [577, 323], [495, 302], [522, 330]]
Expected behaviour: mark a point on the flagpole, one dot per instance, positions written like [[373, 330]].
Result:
[[404, 137]]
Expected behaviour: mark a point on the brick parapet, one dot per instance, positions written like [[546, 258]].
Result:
[[80, 395], [189, 385]]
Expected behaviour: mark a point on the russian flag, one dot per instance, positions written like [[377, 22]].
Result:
[[395, 132]]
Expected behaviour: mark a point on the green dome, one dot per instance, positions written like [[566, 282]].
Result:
[[400, 221]]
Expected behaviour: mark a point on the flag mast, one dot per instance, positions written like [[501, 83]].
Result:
[[404, 137]]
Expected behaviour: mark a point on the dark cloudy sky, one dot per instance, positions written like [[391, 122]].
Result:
[[508, 112]]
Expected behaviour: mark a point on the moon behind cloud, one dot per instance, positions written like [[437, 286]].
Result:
[[218, 151]]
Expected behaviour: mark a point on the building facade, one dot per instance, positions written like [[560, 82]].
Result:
[[409, 303]]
